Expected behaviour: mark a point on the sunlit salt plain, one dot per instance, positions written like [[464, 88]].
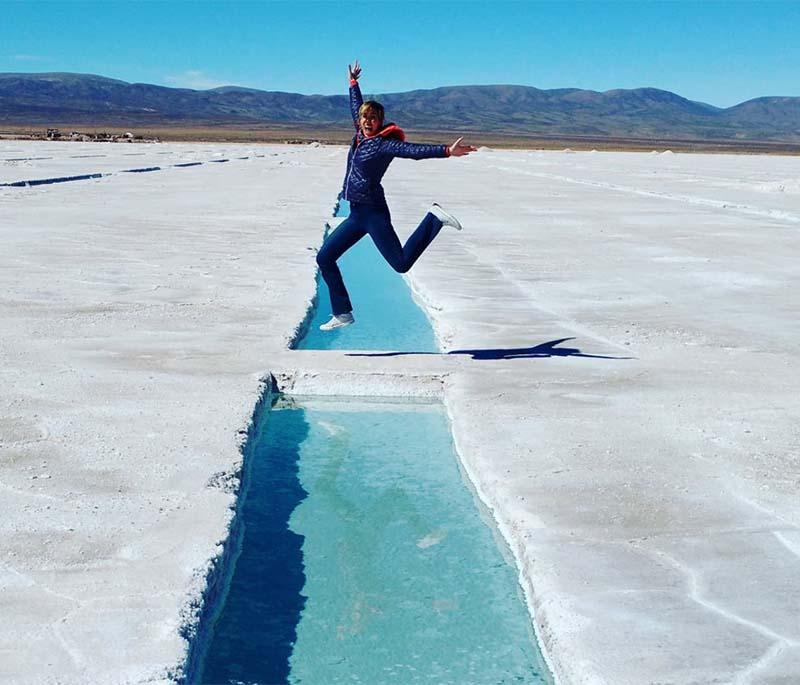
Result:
[[621, 371]]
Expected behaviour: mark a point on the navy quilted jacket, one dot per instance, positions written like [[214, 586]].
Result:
[[369, 158]]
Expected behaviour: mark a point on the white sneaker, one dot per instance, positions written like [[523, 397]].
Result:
[[339, 321], [446, 218]]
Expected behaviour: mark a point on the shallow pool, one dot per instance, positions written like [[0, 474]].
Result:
[[365, 558], [387, 318]]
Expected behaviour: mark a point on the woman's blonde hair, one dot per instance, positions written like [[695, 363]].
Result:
[[371, 105]]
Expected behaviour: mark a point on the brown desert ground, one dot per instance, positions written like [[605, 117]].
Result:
[[342, 136]]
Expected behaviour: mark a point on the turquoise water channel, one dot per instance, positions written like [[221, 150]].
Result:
[[387, 318], [359, 552], [365, 559]]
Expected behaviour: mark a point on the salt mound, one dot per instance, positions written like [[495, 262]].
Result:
[[483, 148], [653, 152], [567, 149], [668, 152], [314, 144]]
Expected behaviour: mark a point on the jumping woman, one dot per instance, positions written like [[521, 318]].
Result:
[[373, 148]]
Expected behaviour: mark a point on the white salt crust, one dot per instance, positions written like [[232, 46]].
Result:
[[650, 498]]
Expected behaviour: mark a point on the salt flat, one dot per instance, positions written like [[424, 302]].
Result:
[[138, 313], [53, 159], [622, 383]]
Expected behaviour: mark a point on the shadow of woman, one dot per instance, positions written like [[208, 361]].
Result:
[[541, 351]]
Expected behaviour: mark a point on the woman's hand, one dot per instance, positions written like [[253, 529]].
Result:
[[354, 71], [459, 150]]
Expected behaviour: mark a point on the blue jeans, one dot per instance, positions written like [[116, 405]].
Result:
[[376, 221]]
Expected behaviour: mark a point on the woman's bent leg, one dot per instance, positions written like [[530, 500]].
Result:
[[346, 234], [379, 226], [419, 240], [401, 258]]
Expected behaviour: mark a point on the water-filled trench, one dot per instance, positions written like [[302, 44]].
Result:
[[362, 553], [387, 318]]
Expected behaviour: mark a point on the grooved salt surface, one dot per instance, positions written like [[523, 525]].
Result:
[[622, 386], [52, 160]]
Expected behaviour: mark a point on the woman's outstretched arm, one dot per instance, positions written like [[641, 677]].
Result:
[[356, 100], [399, 148]]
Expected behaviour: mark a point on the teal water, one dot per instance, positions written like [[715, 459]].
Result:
[[387, 318], [359, 552], [365, 559]]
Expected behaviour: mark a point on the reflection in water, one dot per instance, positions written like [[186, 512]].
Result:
[[253, 637]]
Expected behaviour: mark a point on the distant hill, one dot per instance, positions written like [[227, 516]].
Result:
[[646, 113]]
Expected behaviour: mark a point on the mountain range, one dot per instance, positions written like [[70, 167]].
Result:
[[640, 113]]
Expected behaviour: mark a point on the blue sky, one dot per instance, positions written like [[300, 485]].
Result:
[[718, 52]]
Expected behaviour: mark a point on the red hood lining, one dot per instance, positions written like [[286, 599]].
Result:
[[390, 131]]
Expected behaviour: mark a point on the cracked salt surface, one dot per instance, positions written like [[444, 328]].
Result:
[[139, 390]]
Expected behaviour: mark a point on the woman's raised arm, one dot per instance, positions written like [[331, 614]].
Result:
[[354, 71]]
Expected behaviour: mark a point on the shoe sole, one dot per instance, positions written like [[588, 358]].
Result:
[[325, 327], [455, 222]]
